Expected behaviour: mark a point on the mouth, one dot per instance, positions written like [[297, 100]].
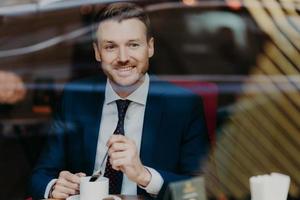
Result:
[[125, 71]]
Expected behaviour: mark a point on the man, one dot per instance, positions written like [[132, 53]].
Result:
[[160, 135]]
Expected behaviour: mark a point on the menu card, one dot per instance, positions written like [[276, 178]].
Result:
[[191, 189]]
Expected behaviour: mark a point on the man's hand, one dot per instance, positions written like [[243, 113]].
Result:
[[67, 184], [124, 156]]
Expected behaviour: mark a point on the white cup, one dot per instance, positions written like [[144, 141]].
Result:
[[96, 190]]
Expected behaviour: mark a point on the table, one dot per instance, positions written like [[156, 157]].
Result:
[[123, 197], [131, 197]]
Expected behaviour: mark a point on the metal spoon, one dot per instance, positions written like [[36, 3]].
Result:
[[98, 173]]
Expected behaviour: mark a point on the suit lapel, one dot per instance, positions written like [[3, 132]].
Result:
[[152, 119], [91, 132]]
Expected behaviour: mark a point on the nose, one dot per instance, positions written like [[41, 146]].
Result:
[[123, 55]]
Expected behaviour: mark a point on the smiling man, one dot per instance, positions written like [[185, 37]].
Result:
[[124, 50], [154, 133]]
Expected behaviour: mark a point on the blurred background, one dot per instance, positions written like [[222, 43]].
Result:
[[241, 56]]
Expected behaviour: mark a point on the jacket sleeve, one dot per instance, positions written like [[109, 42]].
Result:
[[194, 146], [52, 158]]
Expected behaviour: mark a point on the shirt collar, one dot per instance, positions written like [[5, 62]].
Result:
[[137, 96]]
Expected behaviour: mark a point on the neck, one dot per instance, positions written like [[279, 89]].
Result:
[[125, 91]]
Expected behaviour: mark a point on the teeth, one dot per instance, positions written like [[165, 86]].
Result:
[[125, 68]]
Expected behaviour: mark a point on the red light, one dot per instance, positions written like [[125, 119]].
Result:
[[189, 2], [234, 4]]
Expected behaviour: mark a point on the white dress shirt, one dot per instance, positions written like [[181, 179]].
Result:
[[133, 126]]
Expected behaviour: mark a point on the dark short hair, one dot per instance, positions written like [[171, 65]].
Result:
[[121, 11]]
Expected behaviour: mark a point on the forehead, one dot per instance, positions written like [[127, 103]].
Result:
[[128, 29]]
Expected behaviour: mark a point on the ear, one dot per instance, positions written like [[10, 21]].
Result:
[[151, 47], [97, 54]]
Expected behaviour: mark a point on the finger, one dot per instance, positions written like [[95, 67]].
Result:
[[117, 146], [70, 177], [117, 164], [118, 155], [80, 174], [58, 195], [116, 138], [64, 183], [60, 190], [65, 190]]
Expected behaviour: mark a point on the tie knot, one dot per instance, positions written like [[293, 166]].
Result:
[[122, 107]]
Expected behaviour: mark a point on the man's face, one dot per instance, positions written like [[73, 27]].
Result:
[[124, 50]]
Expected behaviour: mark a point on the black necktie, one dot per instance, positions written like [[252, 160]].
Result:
[[116, 177]]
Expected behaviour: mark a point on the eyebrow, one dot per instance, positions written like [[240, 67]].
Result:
[[134, 40], [111, 41], [107, 41]]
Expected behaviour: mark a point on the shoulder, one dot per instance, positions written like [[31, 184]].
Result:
[[86, 85], [84, 92], [170, 90], [81, 98], [173, 96]]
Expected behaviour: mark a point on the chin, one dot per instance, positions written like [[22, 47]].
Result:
[[126, 84], [128, 81]]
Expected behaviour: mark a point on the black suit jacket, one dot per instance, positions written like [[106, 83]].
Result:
[[174, 137]]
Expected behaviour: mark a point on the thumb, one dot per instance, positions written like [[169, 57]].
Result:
[[80, 174]]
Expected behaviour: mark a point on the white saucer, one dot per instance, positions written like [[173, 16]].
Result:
[[74, 197], [77, 197]]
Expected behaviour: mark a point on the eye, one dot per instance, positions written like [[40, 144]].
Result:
[[110, 47], [134, 45]]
